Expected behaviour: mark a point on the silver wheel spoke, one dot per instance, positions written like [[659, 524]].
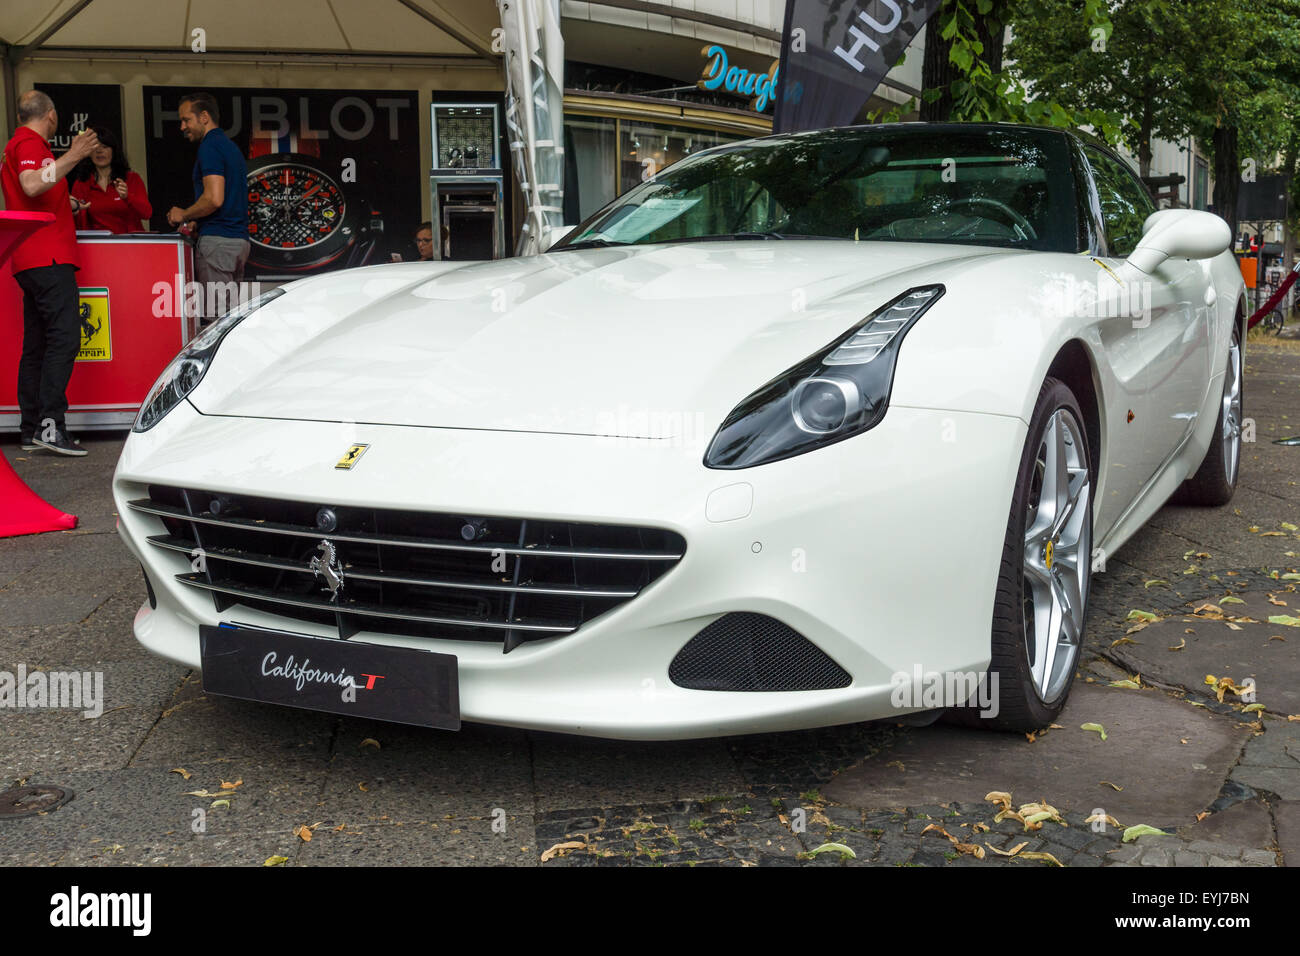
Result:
[[1056, 561]]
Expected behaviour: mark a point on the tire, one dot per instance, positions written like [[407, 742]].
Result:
[[1216, 479], [1041, 592]]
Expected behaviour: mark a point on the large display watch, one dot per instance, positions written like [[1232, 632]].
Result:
[[300, 218]]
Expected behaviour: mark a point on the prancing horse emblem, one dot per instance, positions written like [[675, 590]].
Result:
[[326, 565]]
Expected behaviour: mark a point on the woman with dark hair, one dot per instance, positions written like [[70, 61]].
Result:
[[114, 198]]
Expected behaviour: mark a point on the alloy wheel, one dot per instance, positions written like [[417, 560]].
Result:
[[1231, 426], [1057, 555]]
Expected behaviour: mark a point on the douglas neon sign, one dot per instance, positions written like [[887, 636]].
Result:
[[718, 75]]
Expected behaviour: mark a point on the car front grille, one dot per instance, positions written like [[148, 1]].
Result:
[[458, 576]]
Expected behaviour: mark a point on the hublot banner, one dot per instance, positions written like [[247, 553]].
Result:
[[834, 53], [334, 176], [82, 105]]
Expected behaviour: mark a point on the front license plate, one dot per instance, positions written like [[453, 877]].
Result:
[[399, 684]]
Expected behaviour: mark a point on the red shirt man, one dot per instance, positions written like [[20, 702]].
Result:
[[45, 265], [52, 244]]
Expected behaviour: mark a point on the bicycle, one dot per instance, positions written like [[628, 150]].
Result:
[[1273, 321]]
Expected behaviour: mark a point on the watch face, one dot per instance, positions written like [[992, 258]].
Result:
[[294, 207]]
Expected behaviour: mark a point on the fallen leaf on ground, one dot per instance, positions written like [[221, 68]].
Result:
[[231, 786], [1097, 728], [204, 793], [1208, 611], [1272, 599], [1156, 582], [370, 742], [1045, 857], [1202, 815], [1126, 640], [1142, 616], [276, 861], [559, 848], [1180, 645], [185, 774], [1224, 685], [303, 832], [1131, 685], [1231, 600], [1286, 620], [1012, 852], [1000, 797], [1251, 708], [834, 848], [219, 803], [1139, 830], [1106, 817], [969, 849], [1112, 785]]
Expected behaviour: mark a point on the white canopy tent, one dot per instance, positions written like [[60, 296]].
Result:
[[447, 32]]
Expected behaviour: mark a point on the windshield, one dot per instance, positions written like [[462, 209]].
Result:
[[1000, 186]]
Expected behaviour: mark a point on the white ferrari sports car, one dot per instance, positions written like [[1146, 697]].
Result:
[[804, 430]]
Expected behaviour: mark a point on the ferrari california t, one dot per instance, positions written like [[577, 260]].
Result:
[[804, 430]]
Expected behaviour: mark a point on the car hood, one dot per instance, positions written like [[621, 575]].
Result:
[[656, 341]]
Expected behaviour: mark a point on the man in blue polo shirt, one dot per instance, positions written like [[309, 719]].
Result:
[[220, 209]]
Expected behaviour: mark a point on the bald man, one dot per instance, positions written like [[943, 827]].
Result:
[[45, 266]]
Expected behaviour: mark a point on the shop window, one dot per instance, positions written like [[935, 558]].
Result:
[[591, 154], [644, 149]]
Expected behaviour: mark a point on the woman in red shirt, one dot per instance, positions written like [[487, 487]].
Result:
[[116, 196]]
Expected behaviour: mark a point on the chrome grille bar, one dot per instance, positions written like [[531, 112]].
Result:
[[273, 597], [266, 561], [146, 506]]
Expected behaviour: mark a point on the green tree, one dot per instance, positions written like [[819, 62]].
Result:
[[964, 77]]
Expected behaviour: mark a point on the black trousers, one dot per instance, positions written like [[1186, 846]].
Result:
[[51, 339]]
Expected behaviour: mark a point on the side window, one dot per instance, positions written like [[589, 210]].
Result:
[[1125, 202]]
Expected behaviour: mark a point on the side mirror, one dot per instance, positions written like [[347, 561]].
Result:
[[1179, 234], [554, 235]]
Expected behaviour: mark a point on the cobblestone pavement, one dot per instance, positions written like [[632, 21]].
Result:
[[1222, 779]]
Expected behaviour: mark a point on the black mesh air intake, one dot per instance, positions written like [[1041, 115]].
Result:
[[753, 652]]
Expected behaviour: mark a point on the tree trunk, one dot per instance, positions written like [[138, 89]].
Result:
[[938, 72], [1227, 174], [1144, 137]]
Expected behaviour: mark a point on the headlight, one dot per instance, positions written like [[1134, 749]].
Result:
[[187, 369], [833, 395]]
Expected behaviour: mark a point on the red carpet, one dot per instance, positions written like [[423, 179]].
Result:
[[22, 511]]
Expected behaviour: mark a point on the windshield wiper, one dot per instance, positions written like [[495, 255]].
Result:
[[591, 244], [730, 236]]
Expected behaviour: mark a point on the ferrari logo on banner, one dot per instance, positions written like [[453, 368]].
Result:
[[96, 339]]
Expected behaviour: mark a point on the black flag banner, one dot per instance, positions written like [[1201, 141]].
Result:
[[834, 54]]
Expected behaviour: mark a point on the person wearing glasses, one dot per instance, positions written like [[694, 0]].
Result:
[[424, 241]]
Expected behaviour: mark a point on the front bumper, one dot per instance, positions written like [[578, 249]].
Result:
[[883, 550]]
